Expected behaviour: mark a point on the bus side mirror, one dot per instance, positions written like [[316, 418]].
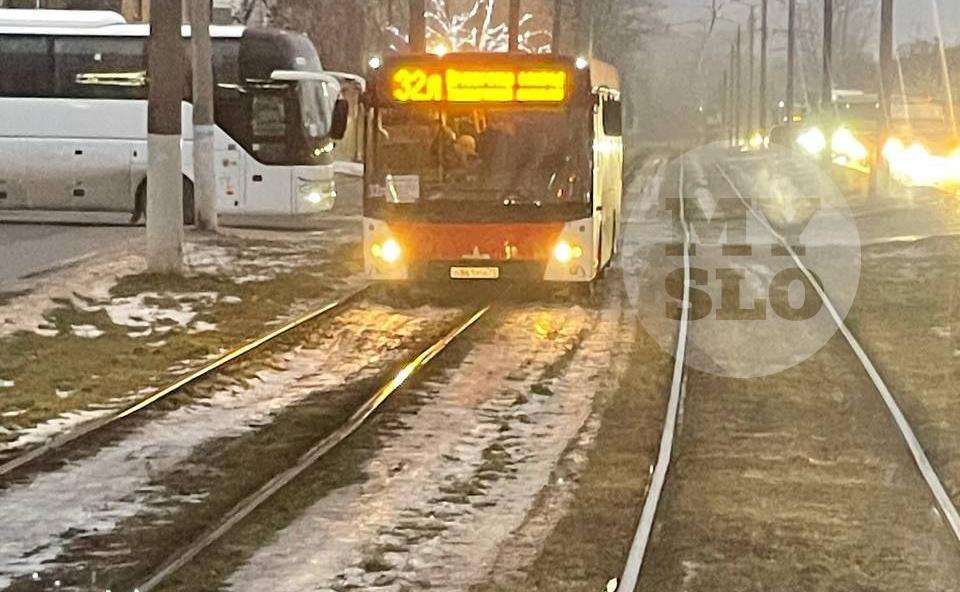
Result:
[[341, 116], [612, 118]]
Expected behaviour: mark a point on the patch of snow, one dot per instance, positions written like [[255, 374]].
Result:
[[6, 383], [202, 327], [942, 332], [91, 280], [231, 300], [86, 331], [64, 393], [44, 432], [13, 413]]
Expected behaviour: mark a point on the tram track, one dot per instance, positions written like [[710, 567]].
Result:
[[23, 460], [194, 464], [944, 503], [320, 449], [642, 544]]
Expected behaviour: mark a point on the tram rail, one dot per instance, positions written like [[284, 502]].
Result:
[[70, 438], [320, 449], [634, 565]]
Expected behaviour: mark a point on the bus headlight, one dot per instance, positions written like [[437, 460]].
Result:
[[321, 195], [564, 252], [389, 251]]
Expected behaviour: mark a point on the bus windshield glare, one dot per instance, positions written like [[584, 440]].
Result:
[[316, 109], [505, 155]]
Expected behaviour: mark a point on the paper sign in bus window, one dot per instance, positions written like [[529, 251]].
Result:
[[403, 188]]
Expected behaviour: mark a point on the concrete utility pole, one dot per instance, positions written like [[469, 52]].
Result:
[[557, 26], [753, 67], [887, 75], [732, 103], [204, 179], [513, 27], [764, 35], [418, 26], [580, 16], [738, 99], [135, 10], [879, 179], [164, 187], [826, 93], [724, 117], [791, 59]]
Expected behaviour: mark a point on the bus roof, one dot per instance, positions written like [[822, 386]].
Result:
[[111, 30], [23, 17]]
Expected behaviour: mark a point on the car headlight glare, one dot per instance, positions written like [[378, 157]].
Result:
[[812, 141]]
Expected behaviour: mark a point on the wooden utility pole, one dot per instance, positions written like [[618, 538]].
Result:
[[165, 72], [764, 35], [418, 26], [513, 27], [557, 26], [826, 92], [204, 178], [753, 67], [791, 59]]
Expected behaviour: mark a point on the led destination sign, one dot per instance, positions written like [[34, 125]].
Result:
[[457, 84]]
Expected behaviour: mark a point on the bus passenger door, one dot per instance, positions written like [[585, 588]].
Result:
[[608, 150]]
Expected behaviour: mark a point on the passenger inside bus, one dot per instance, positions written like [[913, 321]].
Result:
[[506, 156]]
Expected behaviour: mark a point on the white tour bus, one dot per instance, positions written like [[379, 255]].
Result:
[[73, 117]]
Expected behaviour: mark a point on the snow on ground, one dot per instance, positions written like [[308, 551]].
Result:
[[455, 479], [90, 280], [96, 493], [88, 283]]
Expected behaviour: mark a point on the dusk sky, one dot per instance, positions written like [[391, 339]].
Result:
[[914, 17]]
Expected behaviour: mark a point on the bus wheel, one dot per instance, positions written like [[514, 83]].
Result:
[[189, 208], [140, 203]]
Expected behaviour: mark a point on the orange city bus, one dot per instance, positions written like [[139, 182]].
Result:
[[491, 167]]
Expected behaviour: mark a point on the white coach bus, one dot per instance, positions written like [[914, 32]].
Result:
[[73, 117]]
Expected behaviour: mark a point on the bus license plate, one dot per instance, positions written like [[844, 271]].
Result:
[[475, 273]]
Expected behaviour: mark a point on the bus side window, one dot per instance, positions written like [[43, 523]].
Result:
[[27, 66], [612, 117]]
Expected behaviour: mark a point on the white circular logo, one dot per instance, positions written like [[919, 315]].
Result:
[[753, 311]]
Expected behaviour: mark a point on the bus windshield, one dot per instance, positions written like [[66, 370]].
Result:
[[316, 108], [510, 156], [290, 125]]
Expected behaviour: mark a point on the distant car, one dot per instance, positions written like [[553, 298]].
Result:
[[783, 135]]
